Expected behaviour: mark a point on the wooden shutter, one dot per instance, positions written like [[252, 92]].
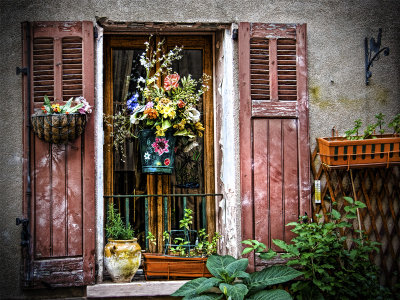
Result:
[[59, 200], [274, 143]]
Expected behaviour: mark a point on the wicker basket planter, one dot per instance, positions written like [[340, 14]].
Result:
[[338, 152], [58, 128], [172, 267]]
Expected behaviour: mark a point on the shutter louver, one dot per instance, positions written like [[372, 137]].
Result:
[[259, 67], [43, 69], [72, 67], [286, 58]]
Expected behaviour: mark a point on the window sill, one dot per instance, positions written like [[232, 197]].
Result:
[[133, 289]]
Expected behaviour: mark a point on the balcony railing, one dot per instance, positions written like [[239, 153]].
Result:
[[164, 208]]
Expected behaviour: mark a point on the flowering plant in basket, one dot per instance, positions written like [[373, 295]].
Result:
[[165, 102], [58, 124]]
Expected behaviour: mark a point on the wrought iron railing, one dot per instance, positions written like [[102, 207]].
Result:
[[126, 200]]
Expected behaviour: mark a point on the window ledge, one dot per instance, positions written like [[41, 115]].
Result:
[[133, 289]]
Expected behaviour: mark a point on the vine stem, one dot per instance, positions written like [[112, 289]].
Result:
[[355, 199]]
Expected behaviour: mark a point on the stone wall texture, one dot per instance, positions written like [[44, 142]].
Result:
[[337, 92]]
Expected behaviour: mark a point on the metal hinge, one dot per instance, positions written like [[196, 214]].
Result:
[[25, 236], [23, 71]]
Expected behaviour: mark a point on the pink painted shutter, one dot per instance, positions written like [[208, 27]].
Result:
[[61, 206], [274, 143]]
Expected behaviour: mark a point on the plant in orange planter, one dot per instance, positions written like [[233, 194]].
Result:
[[367, 150], [186, 252]]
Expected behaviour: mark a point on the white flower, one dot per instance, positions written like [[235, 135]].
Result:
[[147, 156], [134, 120], [193, 115]]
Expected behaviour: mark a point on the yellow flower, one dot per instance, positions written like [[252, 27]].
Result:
[[180, 125], [160, 131], [199, 126], [168, 112], [165, 101]]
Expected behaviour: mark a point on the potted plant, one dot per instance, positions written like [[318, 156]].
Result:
[[186, 252], [369, 149], [165, 108], [58, 124], [122, 254]]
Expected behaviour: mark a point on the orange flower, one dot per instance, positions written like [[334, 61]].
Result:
[[171, 81], [151, 112]]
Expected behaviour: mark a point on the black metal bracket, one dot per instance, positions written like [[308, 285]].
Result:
[[25, 236], [23, 71], [372, 53]]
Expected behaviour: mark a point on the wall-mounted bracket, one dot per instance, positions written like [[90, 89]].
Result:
[[372, 53]]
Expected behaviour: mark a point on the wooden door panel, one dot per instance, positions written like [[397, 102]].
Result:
[[61, 205], [275, 182]]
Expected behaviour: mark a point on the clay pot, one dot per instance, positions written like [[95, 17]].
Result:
[[122, 259]]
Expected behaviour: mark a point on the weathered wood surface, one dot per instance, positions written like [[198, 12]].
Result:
[[275, 176], [134, 289], [62, 202]]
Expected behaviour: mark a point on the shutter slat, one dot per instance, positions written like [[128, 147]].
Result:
[[259, 69], [287, 63], [72, 67], [43, 68]]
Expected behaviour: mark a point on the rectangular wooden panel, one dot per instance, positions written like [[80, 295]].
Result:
[[261, 184], [276, 180], [290, 176]]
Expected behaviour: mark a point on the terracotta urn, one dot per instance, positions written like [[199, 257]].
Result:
[[122, 259]]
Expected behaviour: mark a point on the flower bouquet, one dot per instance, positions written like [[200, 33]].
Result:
[[59, 124], [165, 107]]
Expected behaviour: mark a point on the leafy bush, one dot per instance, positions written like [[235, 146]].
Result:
[[115, 228], [330, 270], [230, 281]]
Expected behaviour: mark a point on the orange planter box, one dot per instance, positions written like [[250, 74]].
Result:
[[174, 266], [338, 152]]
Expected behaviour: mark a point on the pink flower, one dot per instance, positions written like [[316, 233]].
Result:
[[160, 146], [171, 81]]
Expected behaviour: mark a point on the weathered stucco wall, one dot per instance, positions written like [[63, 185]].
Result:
[[337, 93]]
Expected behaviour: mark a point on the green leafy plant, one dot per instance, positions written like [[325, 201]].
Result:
[[231, 281], [352, 134], [330, 270], [181, 244], [370, 131], [115, 228], [395, 124]]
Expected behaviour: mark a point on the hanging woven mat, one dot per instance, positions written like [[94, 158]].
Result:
[[58, 129]]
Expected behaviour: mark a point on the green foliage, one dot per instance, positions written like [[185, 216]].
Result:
[[231, 281], [395, 124], [115, 228], [370, 131], [203, 247], [330, 270]]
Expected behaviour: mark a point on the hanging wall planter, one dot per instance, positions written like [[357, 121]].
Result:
[[58, 128], [157, 153], [338, 152]]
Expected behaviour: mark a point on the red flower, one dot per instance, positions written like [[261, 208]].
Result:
[[171, 82], [167, 162], [181, 103]]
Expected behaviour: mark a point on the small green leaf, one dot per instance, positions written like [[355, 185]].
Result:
[[268, 255], [349, 199], [335, 214], [247, 250]]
